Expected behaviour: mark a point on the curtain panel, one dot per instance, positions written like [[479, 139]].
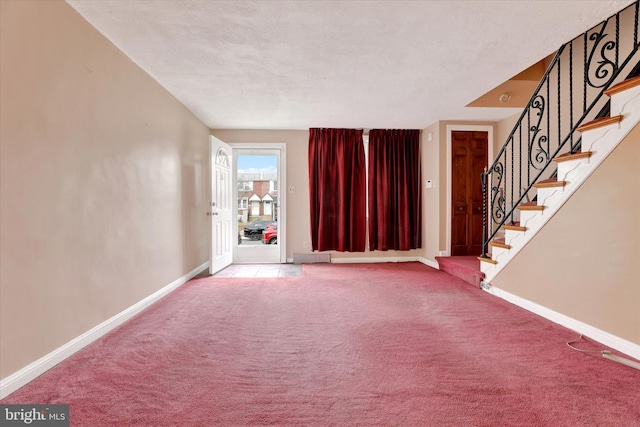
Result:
[[337, 190], [395, 199]]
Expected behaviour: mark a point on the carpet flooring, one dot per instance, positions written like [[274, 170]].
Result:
[[466, 268], [340, 345]]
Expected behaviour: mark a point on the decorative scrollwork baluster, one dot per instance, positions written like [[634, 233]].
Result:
[[537, 156], [497, 193], [606, 68]]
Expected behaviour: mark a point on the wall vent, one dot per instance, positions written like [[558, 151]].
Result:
[[311, 258]]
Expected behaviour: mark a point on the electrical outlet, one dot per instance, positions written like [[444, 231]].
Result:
[[292, 189], [305, 244]]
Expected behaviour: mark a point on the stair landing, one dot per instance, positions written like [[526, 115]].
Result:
[[466, 268]]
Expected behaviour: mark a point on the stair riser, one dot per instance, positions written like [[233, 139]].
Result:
[[496, 253], [590, 138], [512, 238], [486, 267], [569, 168], [619, 100], [545, 195], [527, 216]]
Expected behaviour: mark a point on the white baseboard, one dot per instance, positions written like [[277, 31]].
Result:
[[612, 341], [370, 260], [432, 264], [20, 378]]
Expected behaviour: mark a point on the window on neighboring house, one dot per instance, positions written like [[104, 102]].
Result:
[[245, 185], [243, 203]]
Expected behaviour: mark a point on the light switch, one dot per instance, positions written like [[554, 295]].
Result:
[[430, 183]]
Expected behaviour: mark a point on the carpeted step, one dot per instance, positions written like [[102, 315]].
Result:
[[466, 268]]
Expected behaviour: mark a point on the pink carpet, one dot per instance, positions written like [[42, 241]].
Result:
[[341, 345], [466, 268]]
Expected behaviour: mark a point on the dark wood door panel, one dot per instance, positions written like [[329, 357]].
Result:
[[469, 158]]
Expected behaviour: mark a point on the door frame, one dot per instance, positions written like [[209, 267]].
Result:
[[282, 185], [465, 128]]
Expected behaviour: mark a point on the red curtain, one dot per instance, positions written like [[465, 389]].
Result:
[[337, 187], [395, 199]]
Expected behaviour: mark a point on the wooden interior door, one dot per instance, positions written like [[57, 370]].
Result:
[[469, 157]]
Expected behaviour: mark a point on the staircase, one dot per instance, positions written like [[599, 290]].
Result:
[[599, 138], [586, 103]]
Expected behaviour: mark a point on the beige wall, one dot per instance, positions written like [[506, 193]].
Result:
[[433, 225], [102, 181], [583, 263], [503, 130]]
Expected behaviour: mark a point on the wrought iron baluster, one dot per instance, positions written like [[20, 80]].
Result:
[[520, 161], [635, 25], [606, 69], [528, 144], [570, 94], [512, 172], [484, 212], [617, 42], [586, 71], [559, 106]]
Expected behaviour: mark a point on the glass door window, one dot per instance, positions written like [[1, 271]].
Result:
[[257, 176]]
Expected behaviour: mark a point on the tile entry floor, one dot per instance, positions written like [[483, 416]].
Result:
[[260, 270]]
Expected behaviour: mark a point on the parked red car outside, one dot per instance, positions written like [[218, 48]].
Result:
[[270, 235]]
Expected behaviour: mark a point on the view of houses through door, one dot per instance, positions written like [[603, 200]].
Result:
[[258, 176], [469, 153]]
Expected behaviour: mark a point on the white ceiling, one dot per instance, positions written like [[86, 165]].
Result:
[[352, 64]]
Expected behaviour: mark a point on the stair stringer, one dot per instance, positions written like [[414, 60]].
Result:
[[601, 142]]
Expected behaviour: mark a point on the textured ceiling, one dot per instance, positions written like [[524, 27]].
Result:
[[354, 64]]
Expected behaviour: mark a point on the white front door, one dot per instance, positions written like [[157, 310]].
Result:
[[222, 206], [255, 208]]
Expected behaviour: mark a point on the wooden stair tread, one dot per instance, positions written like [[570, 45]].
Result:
[[622, 86], [598, 123], [514, 227], [530, 206], [489, 260], [499, 243], [572, 156], [551, 182]]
